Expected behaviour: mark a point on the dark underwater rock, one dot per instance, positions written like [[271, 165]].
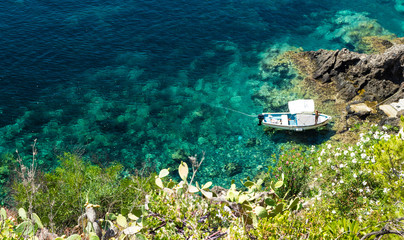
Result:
[[232, 168], [372, 77]]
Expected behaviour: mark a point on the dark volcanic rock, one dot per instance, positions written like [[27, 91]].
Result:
[[374, 77]]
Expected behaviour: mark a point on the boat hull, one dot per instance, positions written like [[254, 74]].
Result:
[[294, 122]]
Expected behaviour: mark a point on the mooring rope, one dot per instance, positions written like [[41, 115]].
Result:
[[248, 115]]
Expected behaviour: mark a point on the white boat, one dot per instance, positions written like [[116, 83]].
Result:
[[301, 116]]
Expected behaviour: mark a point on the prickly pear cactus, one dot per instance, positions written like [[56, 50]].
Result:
[[256, 203]]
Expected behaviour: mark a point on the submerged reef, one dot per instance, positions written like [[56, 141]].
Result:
[[125, 114], [280, 78], [352, 29], [399, 6]]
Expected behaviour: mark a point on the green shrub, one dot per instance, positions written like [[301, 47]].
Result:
[[389, 167], [7, 165], [349, 177], [294, 164], [64, 191], [345, 191]]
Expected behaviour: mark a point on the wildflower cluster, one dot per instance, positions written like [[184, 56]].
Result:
[[338, 192], [347, 175]]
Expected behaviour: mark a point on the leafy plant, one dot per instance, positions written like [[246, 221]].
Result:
[[344, 228], [184, 186], [256, 203], [294, 165], [7, 225], [7, 164], [29, 226], [389, 166], [59, 200]]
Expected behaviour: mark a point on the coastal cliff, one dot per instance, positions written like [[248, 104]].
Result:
[[372, 77], [358, 83]]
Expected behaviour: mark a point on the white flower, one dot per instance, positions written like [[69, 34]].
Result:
[[328, 160], [333, 192], [385, 190], [352, 154], [360, 190], [333, 212], [341, 181], [384, 128], [373, 160], [322, 152], [354, 175], [345, 152], [333, 184], [354, 160], [328, 146], [364, 183], [363, 155]]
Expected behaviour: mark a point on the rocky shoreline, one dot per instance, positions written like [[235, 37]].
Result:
[[372, 77], [358, 82]]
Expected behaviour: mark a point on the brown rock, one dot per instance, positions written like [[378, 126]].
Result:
[[359, 109], [376, 76]]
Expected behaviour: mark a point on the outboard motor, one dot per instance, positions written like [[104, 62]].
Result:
[[261, 117]]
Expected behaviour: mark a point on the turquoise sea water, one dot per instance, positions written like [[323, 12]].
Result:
[[146, 83]]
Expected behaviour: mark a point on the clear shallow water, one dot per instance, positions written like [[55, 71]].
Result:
[[148, 82]]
